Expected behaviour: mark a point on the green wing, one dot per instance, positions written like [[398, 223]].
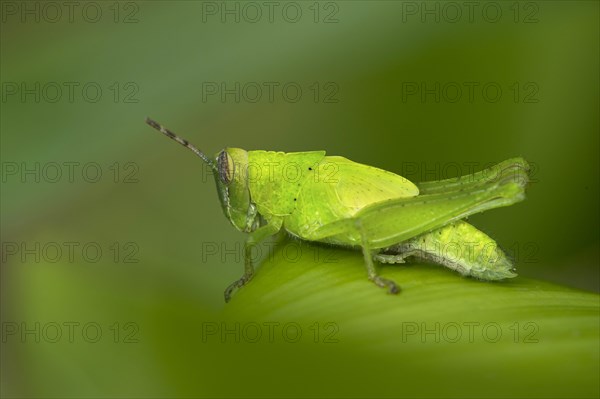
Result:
[[514, 166], [338, 189], [384, 224], [361, 185]]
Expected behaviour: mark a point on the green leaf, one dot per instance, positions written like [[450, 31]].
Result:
[[443, 335]]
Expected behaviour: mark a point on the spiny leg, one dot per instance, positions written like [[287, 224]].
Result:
[[371, 271]]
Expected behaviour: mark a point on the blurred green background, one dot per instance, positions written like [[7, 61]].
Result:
[[410, 87]]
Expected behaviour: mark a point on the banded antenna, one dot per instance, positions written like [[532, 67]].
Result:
[[181, 141]]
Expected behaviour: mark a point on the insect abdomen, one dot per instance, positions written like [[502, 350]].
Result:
[[462, 247]]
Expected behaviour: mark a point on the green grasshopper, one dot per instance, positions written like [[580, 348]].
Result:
[[333, 200]]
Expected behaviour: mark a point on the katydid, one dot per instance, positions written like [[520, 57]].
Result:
[[333, 200]]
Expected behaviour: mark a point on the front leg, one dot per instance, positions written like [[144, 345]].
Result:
[[254, 238]]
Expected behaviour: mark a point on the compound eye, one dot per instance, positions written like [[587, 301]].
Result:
[[225, 167]]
